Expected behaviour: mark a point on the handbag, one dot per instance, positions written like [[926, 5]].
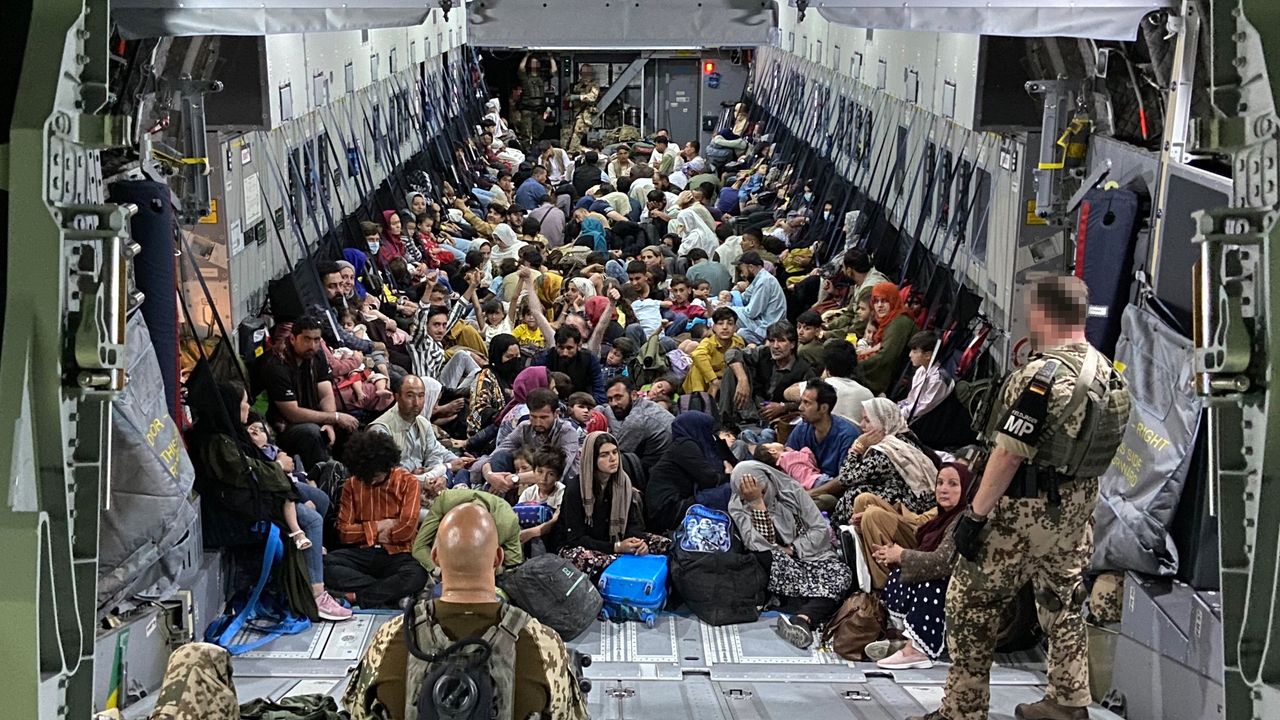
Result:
[[859, 621]]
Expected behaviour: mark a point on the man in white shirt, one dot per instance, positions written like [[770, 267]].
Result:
[[839, 360], [690, 162], [664, 157]]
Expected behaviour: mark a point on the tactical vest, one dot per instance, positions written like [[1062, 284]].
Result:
[[534, 87], [431, 638], [1106, 412]]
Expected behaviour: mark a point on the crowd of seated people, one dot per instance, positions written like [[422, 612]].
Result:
[[621, 334]]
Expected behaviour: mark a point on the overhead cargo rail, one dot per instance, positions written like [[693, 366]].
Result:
[[1096, 19]]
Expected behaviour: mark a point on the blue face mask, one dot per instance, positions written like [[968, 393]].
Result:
[[374, 247], [808, 196]]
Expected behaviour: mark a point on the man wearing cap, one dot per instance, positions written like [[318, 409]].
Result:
[[763, 302]]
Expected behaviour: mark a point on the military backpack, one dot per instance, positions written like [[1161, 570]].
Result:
[[470, 679]]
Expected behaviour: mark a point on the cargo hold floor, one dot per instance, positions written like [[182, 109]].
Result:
[[679, 668]]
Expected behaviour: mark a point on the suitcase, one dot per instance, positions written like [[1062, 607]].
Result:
[[532, 514], [634, 587]]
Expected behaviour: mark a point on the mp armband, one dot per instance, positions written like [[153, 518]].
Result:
[[1026, 419]]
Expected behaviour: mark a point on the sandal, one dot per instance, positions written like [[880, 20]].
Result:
[[300, 540]]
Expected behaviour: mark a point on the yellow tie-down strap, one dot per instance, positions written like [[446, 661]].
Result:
[[1076, 131]]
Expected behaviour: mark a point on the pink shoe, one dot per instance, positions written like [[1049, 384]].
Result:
[[329, 609], [902, 661]]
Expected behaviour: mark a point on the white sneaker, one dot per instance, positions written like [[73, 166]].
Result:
[[330, 609], [898, 661]]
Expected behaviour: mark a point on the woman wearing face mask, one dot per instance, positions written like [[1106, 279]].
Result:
[[915, 593], [879, 363]]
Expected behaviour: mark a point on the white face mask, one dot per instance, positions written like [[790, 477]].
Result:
[[374, 247], [808, 196], [826, 216]]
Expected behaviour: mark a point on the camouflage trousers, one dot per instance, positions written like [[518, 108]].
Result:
[[198, 685], [529, 125], [572, 135], [1025, 540]]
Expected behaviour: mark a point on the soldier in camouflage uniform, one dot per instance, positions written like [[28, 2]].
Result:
[[582, 106], [530, 122], [198, 685], [378, 690], [1057, 424]]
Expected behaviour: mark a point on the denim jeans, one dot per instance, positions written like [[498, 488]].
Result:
[[312, 524]]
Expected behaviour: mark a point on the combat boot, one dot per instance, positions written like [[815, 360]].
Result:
[[1048, 709]]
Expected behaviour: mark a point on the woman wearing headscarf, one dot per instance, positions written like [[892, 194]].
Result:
[[694, 470], [529, 379], [492, 389], [880, 363], [505, 244], [777, 519], [392, 246], [888, 460], [547, 287], [916, 592], [694, 233], [232, 473], [598, 309], [599, 516]]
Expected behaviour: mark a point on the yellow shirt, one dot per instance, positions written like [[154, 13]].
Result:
[[708, 362], [528, 337]]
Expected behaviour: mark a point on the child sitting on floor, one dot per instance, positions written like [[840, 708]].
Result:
[[546, 489]]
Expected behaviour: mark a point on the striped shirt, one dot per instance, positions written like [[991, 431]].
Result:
[[364, 505]]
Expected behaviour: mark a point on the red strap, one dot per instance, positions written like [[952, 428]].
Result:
[[1081, 237]]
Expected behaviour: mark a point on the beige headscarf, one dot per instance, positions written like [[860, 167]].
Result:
[[916, 468], [622, 490]]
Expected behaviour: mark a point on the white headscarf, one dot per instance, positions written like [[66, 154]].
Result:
[[696, 233], [915, 468], [431, 395], [505, 243], [584, 286]]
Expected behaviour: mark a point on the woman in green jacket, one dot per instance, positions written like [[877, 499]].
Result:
[[879, 364]]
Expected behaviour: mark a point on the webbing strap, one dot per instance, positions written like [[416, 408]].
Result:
[[290, 624]]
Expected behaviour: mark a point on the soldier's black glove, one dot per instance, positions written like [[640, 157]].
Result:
[[966, 535]]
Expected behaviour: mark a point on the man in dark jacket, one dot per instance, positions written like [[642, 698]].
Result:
[[641, 426], [569, 357]]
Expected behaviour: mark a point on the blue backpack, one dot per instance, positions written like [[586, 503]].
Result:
[[705, 530]]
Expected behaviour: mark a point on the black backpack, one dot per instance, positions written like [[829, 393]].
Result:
[[554, 592], [721, 588]]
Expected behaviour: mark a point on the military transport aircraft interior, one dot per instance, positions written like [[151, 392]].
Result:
[[639, 359]]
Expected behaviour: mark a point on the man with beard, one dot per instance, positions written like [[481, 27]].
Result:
[[543, 428], [752, 391], [299, 385], [639, 425], [421, 453], [763, 302], [569, 357]]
